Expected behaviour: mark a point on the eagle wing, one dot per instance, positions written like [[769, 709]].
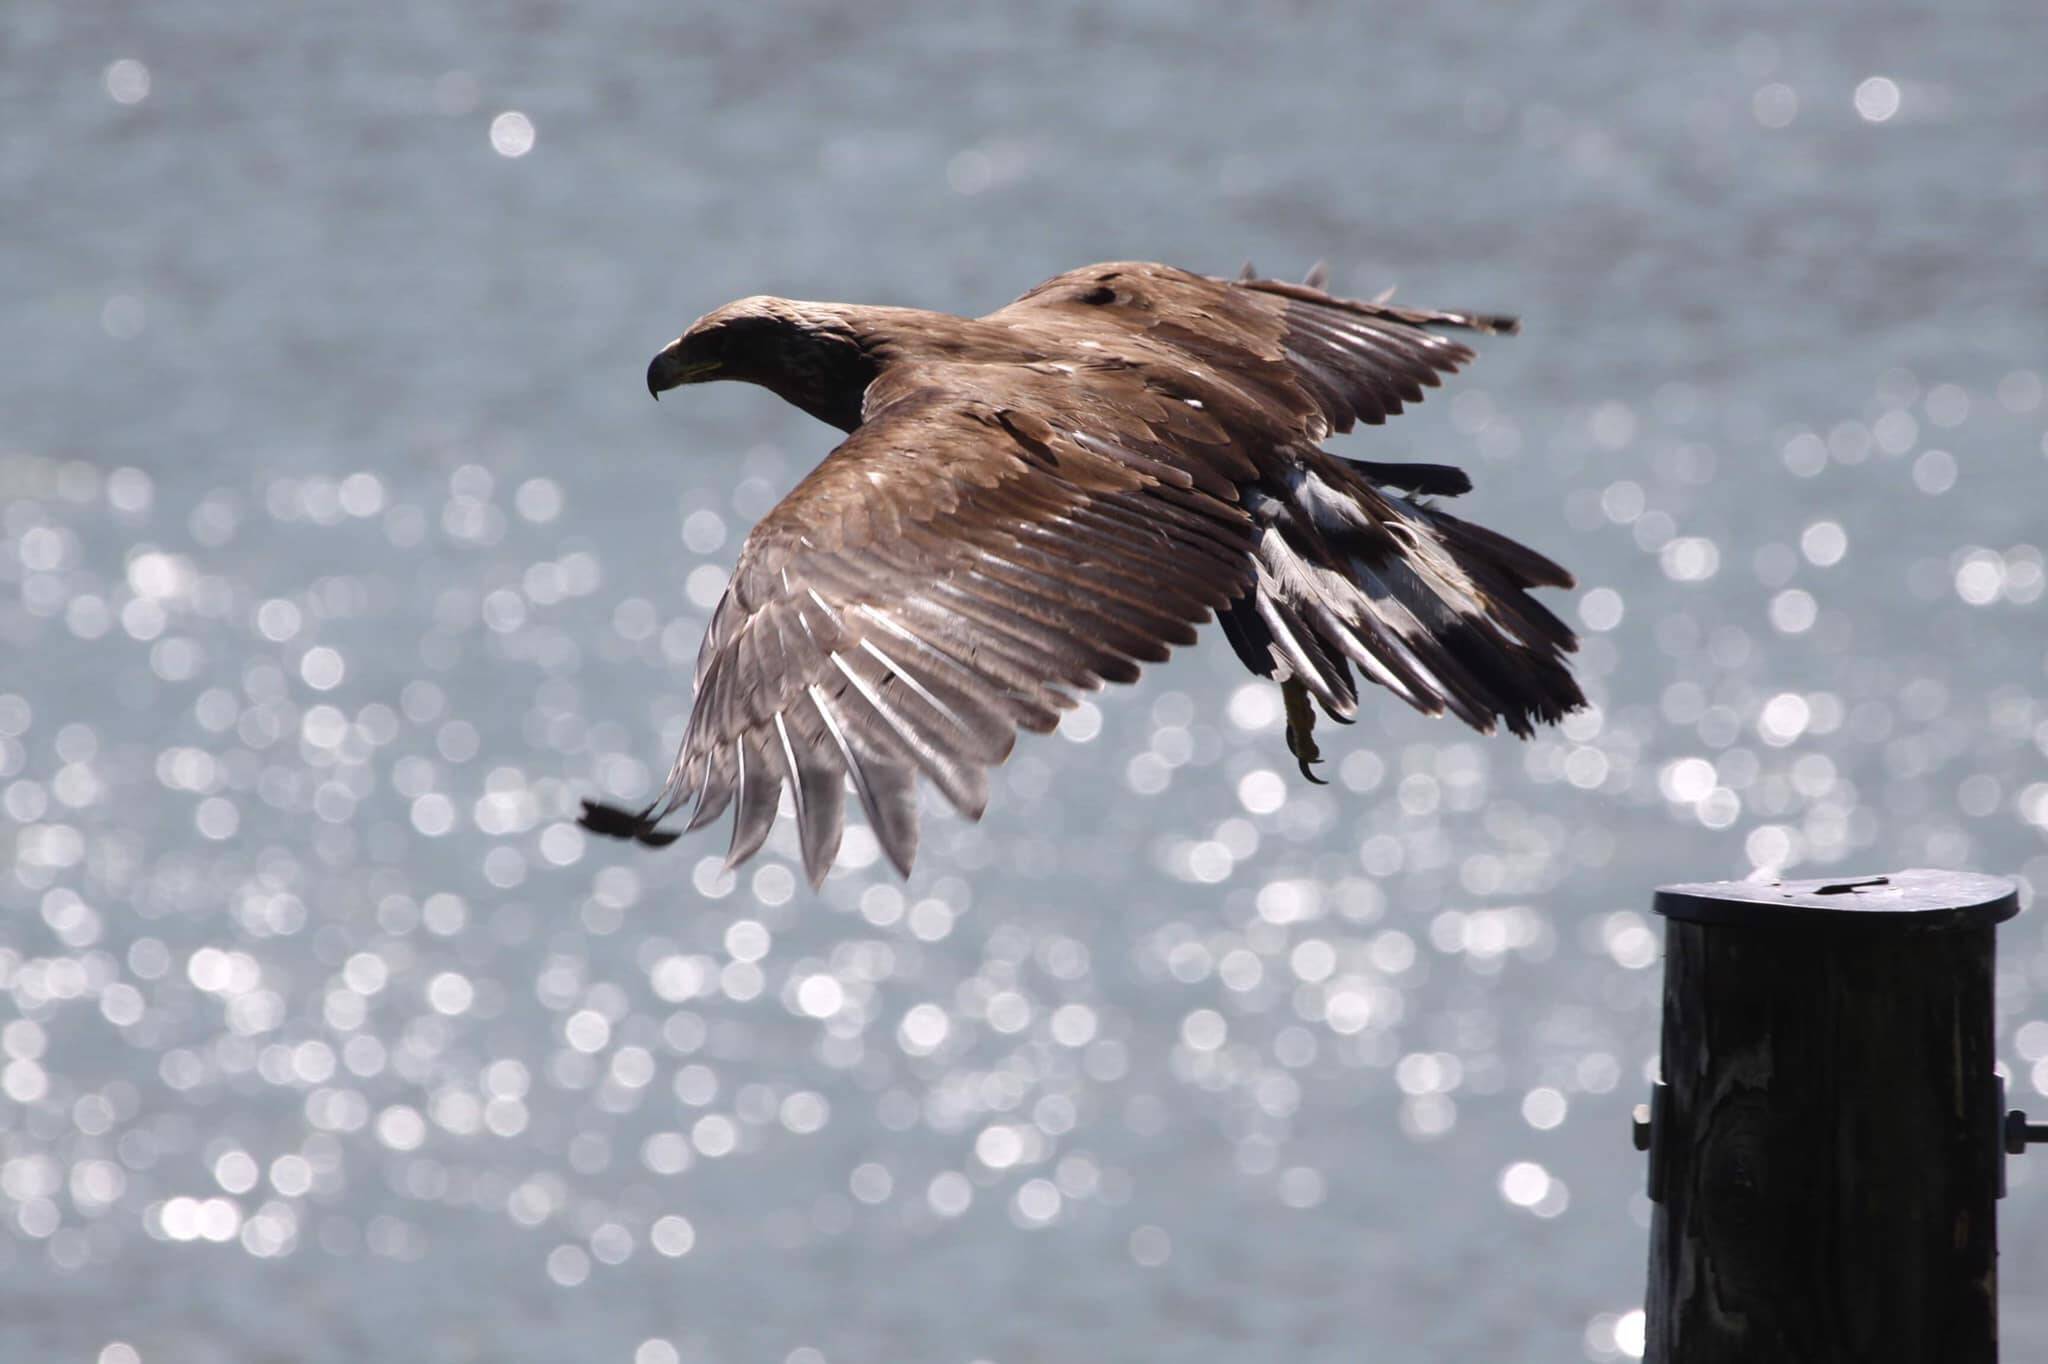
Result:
[[1326, 362], [1350, 571], [963, 562]]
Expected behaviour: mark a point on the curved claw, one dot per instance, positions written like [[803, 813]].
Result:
[[1301, 728]]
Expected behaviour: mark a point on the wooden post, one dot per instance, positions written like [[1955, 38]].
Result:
[[1826, 1146]]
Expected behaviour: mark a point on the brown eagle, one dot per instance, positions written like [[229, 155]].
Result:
[[1040, 500]]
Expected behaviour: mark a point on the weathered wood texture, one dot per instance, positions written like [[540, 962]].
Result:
[[1826, 1149]]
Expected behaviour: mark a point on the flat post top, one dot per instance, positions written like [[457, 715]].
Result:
[[1917, 898]]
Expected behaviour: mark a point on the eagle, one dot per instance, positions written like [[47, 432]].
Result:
[[1036, 502]]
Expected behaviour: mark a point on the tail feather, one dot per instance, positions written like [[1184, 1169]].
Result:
[[1433, 608], [1430, 480]]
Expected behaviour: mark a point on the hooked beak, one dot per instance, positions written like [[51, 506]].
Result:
[[669, 370]]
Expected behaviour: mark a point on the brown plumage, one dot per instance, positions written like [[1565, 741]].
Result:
[[1040, 500]]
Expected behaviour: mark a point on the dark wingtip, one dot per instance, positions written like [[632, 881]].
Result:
[[613, 822]]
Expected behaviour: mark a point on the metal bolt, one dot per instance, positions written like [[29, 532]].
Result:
[[2019, 1133], [1640, 1123]]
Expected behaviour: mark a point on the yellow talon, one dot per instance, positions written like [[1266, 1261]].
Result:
[[1301, 727]]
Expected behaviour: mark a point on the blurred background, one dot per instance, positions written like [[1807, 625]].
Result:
[[342, 551]]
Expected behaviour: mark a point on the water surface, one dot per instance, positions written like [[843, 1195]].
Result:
[[342, 552]]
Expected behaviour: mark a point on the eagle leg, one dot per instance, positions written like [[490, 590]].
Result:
[[1301, 727]]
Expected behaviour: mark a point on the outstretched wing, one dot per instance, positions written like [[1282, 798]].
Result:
[[949, 575], [1351, 573], [1327, 362]]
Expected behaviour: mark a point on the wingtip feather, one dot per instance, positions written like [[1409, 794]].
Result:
[[613, 822]]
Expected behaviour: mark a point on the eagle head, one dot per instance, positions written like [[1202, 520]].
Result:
[[809, 354]]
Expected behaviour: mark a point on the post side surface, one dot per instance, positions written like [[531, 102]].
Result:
[[1827, 1143]]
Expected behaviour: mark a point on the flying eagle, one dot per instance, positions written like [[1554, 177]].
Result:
[[1040, 500]]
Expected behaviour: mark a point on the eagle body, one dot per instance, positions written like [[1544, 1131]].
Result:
[[1038, 501]]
